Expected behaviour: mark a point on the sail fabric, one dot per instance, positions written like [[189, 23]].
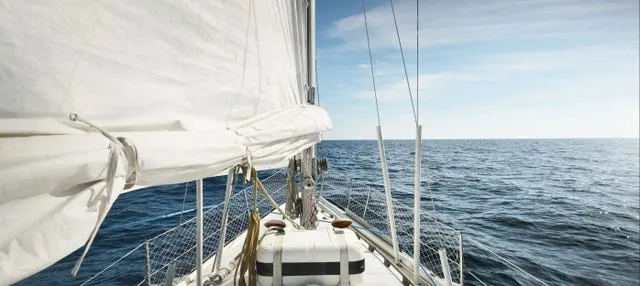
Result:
[[196, 87]]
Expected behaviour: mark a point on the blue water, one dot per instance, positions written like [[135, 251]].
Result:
[[565, 210]]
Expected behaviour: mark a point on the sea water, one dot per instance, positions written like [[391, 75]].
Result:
[[564, 210]]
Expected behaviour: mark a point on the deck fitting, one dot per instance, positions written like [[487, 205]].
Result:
[[387, 263]]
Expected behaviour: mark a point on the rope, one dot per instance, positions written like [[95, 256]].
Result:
[[428, 276], [373, 77], [250, 247], [509, 263], [129, 224], [404, 65], [184, 200], [222, 273], [111, 265], [261, 188], [123, 147], [119, 147], [478, 279], [290, 206]]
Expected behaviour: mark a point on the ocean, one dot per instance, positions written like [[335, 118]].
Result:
[[565, 210]]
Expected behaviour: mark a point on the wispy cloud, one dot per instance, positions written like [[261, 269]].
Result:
[[398, 89], [597, 56], [446, 23], [540, 96], [594, 89], [596, 60], [535, 68]]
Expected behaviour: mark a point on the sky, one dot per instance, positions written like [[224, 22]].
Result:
[[486, 69]]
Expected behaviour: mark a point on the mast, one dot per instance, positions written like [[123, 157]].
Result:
[[308, 217], [311, 52]]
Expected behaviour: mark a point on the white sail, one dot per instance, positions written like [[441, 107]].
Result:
[[195, 86]]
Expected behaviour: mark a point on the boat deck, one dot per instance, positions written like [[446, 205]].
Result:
[[375, 273]]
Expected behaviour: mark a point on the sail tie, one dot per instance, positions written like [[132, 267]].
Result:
[[248, 156], [119, 148]]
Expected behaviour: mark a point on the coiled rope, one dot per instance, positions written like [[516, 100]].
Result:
[[250, 246], [258, 184]]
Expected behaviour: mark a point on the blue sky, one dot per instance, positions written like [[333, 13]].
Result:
[[488, 69]]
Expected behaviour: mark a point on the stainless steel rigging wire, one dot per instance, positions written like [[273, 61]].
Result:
[[404, 64], [373, 77]]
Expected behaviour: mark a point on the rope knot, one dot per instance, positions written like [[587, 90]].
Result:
[[133, 166], [123, 147]]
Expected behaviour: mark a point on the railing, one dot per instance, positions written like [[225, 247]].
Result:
[[172, 253], [176, 247], [368, 205]]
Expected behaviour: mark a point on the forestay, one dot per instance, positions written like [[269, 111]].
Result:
[[195, 86]]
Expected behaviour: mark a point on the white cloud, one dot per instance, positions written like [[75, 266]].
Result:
[[445, 22], [599, 57], [608, 120], [579, 80], [398, 88], [539, 96], [533, 122], [610, 86]]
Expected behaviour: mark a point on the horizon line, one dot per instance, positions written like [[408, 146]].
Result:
[[483, 138]]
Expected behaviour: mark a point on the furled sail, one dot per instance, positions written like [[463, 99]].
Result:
[[193, 87]]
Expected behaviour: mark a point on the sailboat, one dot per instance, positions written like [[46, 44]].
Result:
[[100, 98]]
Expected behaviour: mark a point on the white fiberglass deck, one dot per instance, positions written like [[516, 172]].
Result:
[[375, 272]]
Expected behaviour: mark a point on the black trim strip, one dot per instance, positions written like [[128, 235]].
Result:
[[309, 268]]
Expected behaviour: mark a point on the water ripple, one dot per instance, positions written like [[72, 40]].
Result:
[[567, 211]]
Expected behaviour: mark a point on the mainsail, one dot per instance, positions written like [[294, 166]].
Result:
[[196, 87]]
